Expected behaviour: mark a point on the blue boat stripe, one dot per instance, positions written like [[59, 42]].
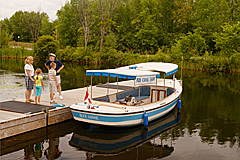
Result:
[[121, 118]]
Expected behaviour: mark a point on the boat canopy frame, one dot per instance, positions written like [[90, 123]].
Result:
[[133, 71]]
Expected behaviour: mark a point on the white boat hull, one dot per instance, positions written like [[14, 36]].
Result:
[[121, 119]]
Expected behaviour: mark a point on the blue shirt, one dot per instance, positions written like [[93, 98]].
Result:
[[58, 65]]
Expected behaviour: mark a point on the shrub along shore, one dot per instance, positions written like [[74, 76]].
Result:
[[114, 57]]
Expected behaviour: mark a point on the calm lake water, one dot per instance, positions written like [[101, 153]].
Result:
[[208, 126]]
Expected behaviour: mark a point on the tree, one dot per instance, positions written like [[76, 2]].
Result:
[[68, 29], [32, 23], [17, 27], [210, 15], [5, 36], [193, 44], [106, 8], [46, 26], [27, 25], [84, 17], [228, 40], [183, 14], [46, 45]]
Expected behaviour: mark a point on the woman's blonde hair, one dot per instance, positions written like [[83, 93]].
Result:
[[28, 60], [38, 71]]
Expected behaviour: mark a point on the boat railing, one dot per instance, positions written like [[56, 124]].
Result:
[[146, 92]]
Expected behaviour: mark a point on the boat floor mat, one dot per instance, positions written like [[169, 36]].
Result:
[[112, 86], [22, 107]]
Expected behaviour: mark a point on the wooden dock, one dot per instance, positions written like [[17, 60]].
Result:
[[14, 122], [18, 117]]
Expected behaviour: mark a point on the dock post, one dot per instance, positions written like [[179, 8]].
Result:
[[46, 115]]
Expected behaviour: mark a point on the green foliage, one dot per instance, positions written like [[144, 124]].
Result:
[[66, 54], [46, 26], [27, 25], [22, 53], [228, 40], [67, 26], [46, 45], [143, 30], [5, 37], [191, 45]]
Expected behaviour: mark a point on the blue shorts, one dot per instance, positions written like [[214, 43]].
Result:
[[38, 90], [29, 83]]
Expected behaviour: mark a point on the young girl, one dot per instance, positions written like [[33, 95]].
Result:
[[39, 85]]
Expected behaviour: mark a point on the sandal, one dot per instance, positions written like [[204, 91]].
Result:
[[31, 100], [53, 102], [28, 101]]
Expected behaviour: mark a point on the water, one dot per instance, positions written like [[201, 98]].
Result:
[[209, 127]]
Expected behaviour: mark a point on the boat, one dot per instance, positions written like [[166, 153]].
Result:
[[143, 95], [104, 142]]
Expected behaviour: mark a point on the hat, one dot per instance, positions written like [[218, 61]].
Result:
[[51, 54]]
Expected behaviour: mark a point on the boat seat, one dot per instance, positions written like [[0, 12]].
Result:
[[170, 91], [103, 99], [144, 93]]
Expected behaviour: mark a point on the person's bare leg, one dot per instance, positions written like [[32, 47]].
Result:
[[51, 96], [29, 94], [35, 99], [39, 99], [26, 95], [59, 89]]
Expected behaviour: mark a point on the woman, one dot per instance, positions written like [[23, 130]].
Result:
[[29, 79]]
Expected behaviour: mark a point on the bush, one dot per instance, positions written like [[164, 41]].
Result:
[[45, 45], [66, 54]]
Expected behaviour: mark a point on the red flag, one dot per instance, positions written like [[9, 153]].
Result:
[[89, 101], [86, 96]]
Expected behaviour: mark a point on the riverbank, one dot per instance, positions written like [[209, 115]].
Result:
[[114, 57]]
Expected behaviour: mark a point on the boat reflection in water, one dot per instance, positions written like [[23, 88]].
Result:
[[102, 142]]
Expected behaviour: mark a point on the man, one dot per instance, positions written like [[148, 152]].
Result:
[[59, 67]]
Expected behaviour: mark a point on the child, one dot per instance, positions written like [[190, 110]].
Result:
[[52, 81], [39, 85]]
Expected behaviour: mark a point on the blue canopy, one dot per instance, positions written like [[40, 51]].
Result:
[[122, 73]]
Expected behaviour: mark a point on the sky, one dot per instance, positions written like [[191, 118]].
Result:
[[9, 7]]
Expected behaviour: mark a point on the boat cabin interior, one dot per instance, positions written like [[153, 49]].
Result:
[[141, 94]]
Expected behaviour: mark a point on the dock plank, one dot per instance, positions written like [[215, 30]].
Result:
[[7, 115]]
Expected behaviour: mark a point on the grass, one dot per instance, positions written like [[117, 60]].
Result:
[[27, 45]]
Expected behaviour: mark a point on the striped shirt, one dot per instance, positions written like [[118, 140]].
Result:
[[51, 74]]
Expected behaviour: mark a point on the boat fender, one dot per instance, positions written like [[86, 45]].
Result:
[[145, 119], [179, 104]]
